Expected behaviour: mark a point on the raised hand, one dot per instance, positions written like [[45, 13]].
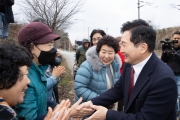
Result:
[[57, 71]]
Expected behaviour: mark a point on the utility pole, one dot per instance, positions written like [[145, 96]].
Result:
[[69, 45], [145, 3], [138, 9], [84, 28], [88, 33], [84, 25], [64, 44]]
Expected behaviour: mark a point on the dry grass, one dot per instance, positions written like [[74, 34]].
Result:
[[14, 29]]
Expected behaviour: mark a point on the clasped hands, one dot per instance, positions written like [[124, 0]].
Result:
[[77, 111], [87, 108]]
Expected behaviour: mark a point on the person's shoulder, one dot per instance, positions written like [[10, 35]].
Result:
[[85, 70], [85, 67], [162, 70], [85, 64], [80, 47], [6, 113]]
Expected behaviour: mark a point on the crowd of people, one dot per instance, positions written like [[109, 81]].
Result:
[[117, 79]]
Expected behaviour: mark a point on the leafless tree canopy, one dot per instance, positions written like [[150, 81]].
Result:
[[57, 13]]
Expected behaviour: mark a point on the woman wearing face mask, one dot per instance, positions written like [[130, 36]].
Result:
[[51, 73], [39, 40], [96, 35]]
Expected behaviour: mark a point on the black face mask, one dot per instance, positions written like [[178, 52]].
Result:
[[47, 57]]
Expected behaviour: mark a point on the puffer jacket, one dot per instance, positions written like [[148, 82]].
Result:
[[35, 99], [90, 80]]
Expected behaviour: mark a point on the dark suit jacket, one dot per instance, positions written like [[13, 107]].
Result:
[[153, 97]]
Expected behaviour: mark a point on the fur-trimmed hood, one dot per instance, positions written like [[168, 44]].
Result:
[[93, 58]]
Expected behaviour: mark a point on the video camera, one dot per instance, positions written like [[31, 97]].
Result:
[[167, 45]]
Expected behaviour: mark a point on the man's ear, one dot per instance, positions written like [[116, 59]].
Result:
[[144, 47]]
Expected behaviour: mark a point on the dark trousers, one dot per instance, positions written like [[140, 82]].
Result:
[[55, 89]]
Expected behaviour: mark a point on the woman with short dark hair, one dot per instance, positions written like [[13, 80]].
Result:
[[100, 71], [96, 35], [14, 63]]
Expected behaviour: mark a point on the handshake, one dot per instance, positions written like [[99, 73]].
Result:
[[63, 111]]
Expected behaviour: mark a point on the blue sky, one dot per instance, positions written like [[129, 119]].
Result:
[[109, 15]]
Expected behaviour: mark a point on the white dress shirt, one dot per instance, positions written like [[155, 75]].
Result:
[[138, 67]]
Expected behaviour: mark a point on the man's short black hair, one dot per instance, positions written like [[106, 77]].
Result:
[[12, 57], [141, 32], [177, 32], [109, 41], [96, 31]]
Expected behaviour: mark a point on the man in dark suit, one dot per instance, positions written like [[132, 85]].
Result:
[[147, 84]]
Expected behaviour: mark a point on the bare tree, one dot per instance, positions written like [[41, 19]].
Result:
[[57, 13]]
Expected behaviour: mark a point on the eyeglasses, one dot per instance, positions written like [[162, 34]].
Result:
[[96, 39], [176, 38]]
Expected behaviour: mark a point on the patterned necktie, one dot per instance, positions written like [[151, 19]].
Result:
[[131, 86]]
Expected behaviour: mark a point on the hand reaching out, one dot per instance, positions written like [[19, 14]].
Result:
[[61, 111], [100, 113], [62, 114], [81, 110]]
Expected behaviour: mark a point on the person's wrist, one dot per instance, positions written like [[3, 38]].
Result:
[[54, 79]]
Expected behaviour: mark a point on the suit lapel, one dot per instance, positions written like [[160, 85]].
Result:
[[127, 82], [142, 79], [140, 83]]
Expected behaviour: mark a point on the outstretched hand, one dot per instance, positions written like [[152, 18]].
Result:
[[79, 111], [85, 105], [100, 113], [61, 111]]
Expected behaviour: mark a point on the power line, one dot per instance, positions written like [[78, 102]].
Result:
[[145, 3], [162, 3], [163, 10], [155, 11], [175, 6], [155, 6]]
